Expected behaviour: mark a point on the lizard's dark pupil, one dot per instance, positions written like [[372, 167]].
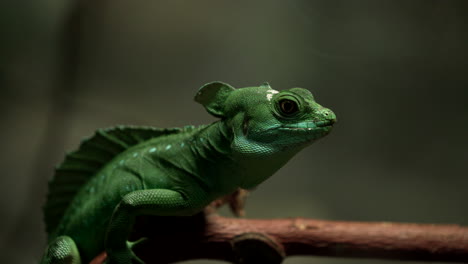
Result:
[[288, 106]]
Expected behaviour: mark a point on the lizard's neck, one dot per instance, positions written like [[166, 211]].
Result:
[[222, 165], [211, 146], [213, 142]]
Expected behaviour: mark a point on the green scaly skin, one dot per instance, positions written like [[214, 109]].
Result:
[[259, 130]]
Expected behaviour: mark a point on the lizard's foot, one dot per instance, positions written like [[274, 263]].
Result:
[[236, 201], [132, 244], [62, 250], [126, 255]]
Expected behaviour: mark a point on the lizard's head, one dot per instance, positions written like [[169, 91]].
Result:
[[267, 126], [265, 121]]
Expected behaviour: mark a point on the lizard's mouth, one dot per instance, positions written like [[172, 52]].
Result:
[[325, 123], [308, 126]]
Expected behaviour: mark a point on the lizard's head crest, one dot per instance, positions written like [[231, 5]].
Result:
[[213, 96]]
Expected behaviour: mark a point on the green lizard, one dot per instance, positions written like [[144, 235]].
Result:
[[123, 172]]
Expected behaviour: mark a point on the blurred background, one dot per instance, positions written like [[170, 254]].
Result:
[[395, 73]]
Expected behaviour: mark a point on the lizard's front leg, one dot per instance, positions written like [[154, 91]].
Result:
[[161, 202]]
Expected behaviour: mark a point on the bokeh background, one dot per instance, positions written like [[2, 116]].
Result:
[[395, 73]]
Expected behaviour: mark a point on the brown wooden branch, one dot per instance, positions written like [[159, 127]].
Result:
[[214, 237]]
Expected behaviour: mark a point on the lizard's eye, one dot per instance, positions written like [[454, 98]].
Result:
[[288, 107]]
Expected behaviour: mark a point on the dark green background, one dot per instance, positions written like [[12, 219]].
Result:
[[395, 73]]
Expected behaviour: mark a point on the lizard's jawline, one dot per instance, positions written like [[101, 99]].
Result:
[[309, 126], [305, 129]]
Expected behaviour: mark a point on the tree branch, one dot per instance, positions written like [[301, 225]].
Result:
[[174, 239]]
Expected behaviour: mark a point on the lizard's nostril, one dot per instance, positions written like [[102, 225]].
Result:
[[329, 115]]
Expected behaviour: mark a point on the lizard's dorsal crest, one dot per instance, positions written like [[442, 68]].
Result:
[[93, 154], [213, 96]]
